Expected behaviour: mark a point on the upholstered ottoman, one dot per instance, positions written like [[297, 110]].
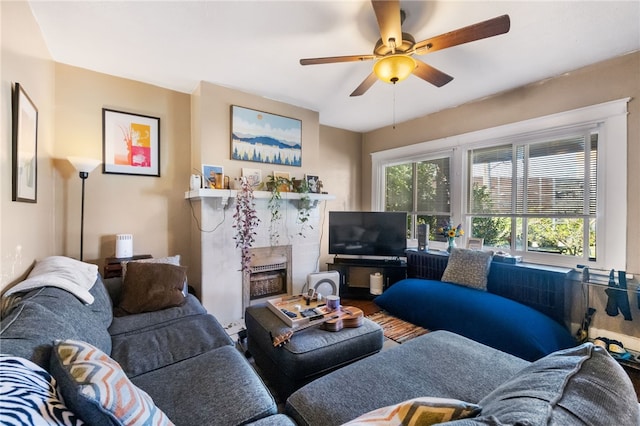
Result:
[[309, 354]]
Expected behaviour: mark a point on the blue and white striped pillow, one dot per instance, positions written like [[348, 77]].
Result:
[[28, 395]]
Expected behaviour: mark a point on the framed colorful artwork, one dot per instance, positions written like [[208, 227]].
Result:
[[213, 176], [254, 176], [265, 138], [25, 147], [130, 143]]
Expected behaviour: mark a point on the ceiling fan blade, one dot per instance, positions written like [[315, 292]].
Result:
[[389, 22], [431, 74], [484, 29], [335, 59], [365, 85]]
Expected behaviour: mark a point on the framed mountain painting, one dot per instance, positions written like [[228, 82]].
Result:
[[265, 138]]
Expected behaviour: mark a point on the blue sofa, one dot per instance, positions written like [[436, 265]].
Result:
[[181, 357]]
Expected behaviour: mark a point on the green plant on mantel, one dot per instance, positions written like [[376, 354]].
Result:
[[245, 222], [304, 204], [275, 185]]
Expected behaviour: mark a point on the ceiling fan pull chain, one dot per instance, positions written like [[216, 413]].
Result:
[[394, 106]]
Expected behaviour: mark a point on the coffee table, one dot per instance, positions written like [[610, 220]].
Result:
[[309, 354]]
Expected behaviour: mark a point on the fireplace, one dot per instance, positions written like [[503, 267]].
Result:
[[269, 274]]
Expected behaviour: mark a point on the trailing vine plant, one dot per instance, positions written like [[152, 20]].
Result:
[[275, 201], [304, 207], [245, 221]]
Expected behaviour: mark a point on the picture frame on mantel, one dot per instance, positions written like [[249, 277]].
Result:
[[265, 138], [130, 143], [24, 125]]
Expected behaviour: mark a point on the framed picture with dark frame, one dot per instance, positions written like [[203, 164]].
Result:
[[24, 124], [130, 143]]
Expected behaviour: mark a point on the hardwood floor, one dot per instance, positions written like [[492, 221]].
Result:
[[367, 306]]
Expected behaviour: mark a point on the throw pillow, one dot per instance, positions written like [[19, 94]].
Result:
[[418, 411], [468, 267], [96, 389], [150, 287], [574, 386], [172, 260], [29, 396]]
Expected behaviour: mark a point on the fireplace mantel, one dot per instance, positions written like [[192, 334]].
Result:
[[215, 266], [225, 194]]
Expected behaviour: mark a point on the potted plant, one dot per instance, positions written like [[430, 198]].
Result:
[[304, 204], [245, 221], [275, 185]]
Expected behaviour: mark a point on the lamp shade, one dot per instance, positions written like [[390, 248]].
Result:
[[394, 68], [84, 165]]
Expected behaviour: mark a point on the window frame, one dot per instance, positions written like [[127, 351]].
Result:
[[611, 120]]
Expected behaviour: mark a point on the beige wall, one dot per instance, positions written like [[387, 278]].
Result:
[[151, 208], [27, 231], [614, 79]]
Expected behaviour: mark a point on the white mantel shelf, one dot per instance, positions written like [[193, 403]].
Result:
[[225, 194]]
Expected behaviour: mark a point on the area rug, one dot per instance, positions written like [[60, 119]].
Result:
[[396, 329]]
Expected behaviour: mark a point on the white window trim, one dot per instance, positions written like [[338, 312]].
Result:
[[612, 149]]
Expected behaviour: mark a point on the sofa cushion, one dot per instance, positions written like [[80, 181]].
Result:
[[423, 411], [129, 323], [63, 272], [484, 317], [157, 346], [218, 387], [102, 306], [574, 386], [46, 314], [150, 287], [95, 387], [29, 396], [468, 267]]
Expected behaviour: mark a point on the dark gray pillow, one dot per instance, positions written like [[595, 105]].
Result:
[[468, 267], [150, 287], [574, 386]]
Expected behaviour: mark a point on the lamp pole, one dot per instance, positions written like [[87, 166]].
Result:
[[84, 166], [83, 176]]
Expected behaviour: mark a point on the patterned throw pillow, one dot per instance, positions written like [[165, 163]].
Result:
[[468, 267], [28, 395], [96, 388], [423, 411]]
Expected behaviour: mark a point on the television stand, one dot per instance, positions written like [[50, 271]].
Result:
[[355, 274]]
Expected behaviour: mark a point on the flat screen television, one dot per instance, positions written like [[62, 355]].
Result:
[[368, 233]]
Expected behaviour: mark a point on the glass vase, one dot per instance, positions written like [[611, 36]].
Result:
[[452, 244]]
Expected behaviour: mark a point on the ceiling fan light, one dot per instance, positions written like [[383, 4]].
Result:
[[394, 68]]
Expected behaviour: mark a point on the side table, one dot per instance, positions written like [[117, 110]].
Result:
[[113, 265]]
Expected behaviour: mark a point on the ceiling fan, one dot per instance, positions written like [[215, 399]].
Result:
[[394, 50]]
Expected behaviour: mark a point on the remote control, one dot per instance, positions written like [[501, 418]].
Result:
[[289, 313]]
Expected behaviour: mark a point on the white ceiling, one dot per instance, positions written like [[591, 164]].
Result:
[[255, 46]]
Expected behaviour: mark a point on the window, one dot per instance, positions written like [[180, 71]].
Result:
[[552, 189], [422, 189], [537, 196]]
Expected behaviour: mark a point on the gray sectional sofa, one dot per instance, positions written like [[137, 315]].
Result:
[[184, 361], [180, 356]]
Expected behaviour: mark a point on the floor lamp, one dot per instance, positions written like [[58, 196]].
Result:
[[84, 166]]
